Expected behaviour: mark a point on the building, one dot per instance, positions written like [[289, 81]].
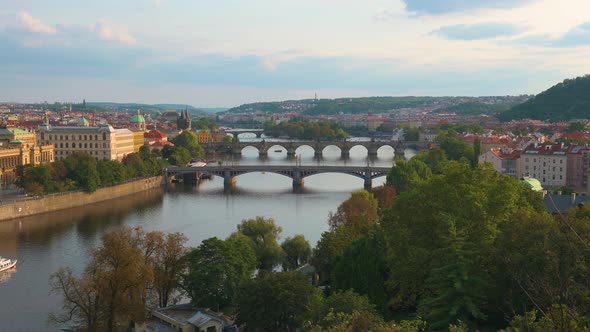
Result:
[[184, 121], [505, 162], [204, 136], [19, 154], [428, 136], [138, 122], [185, 318], [546, 162], [9, 134], [577, 166], [101, 142]]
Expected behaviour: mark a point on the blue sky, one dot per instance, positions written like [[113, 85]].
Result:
[[229, 52]]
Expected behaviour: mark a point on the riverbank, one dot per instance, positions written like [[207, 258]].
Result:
[[44, 204]]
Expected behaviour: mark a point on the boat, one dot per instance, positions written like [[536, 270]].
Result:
[[6, 264], [278, 150]]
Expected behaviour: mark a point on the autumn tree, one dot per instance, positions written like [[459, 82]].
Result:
[[358, 213], [297, 252], [116, 284]]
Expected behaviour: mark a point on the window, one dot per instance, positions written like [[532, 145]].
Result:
[[85, 137], [561, 161], [96, 137], [66, 144], [79, 137], [544, 164], [104, 136], [554, 169], [61, 145], [73, 145], [85, 145]]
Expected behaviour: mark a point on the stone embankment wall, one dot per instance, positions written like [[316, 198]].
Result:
[[44, 204]]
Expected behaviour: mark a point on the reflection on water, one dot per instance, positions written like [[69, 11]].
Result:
[[5, 275]]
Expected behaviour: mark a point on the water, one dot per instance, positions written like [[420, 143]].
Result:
[[43, 244]]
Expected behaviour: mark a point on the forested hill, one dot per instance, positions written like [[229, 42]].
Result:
[[474, 105], [567, 100], [334, 106]]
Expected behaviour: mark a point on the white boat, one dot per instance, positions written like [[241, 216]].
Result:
[[6, 264]]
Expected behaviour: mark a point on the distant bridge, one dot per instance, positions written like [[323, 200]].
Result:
[[318, 146], [236, 132], [295, 172]]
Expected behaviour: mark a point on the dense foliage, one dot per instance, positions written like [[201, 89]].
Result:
[[564, 101], [82, 171], [477, 108], [307, 130]]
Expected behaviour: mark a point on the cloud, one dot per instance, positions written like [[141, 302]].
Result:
[[578, 36], [31, 24], [478, 31], [108, 31], [436, 7]]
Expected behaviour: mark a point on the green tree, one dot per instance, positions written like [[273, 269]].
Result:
[[297, 252], [406, 174], [111, 172], [188, 140], [216, 269], [275, 302], [180, 156], [411, 134], [38, 180], [81, 168], [263, 235], [362, 268], [135, 165], [456, 287]]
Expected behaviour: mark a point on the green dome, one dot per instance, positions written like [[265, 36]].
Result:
[[16, 141], [533, 183], [83, 121], [137, 118]]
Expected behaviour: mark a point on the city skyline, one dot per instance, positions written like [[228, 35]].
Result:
[[223, 54]]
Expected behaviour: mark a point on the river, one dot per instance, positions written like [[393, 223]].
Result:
[[43, 244]]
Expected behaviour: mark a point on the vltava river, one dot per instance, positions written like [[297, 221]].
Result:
[[43, 244]]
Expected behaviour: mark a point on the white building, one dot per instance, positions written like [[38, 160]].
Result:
[[545, 162], [102, 142]]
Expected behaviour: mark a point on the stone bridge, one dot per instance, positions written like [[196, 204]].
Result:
[[295, 172], [318, 146], [236, 132]]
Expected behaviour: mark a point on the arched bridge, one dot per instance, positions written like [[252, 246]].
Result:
[[295, 172], [318, 146], [236, 132]]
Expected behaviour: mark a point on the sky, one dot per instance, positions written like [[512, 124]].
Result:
[[223, 53]]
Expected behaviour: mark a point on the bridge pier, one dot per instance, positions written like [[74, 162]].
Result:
[[228, 179], [368, 181], [318, 152], [345, 153], [297, 179], [290, 152], [372, 151]]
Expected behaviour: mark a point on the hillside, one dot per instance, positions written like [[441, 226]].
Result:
[[564, 101], [477, 108], [334, 106]]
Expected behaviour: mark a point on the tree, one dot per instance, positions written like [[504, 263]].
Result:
[[111, 172], [384, 196], [135, 165], [411, 134], [188, 140], [359, 213], [405, 174], [275, 302], [297, 252], [478, 201], [180, 156], [144, 152], [575, 126], [263, 234], [112, 291], [476, 148], [81, 168], [331, 310], [363, 269], [38, 180], [168, 263], [216, 270], [227, 139]]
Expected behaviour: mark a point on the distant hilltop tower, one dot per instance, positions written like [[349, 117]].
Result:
[[184, 121], [84, 104]]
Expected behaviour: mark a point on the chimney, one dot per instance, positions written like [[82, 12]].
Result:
[[573, 198]]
